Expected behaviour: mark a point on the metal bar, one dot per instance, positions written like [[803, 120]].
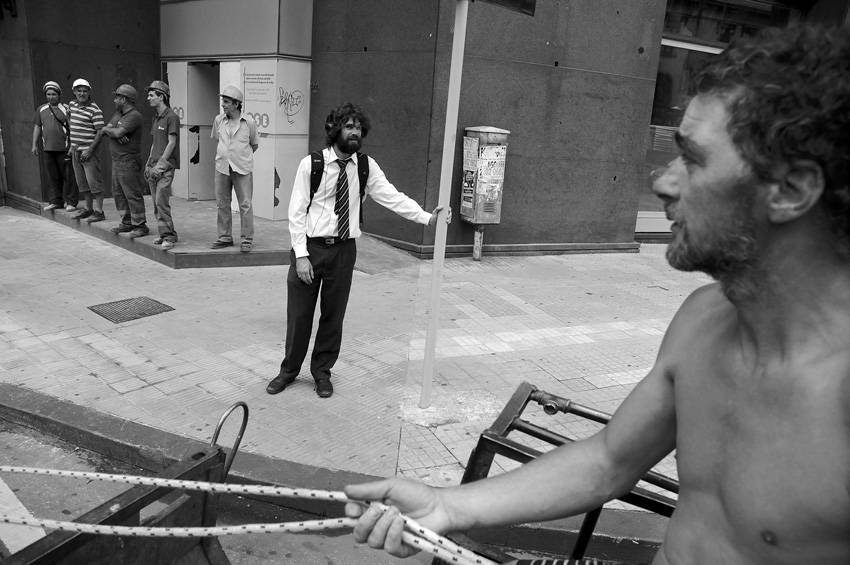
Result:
[[540, 432], [513, 409], [552, 404], [233, 450], [651, 501], [588, 526], [479, 463], [556, 439], [509, 448], [449, 140]]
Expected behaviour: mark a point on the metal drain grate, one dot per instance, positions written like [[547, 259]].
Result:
[[130, 309]]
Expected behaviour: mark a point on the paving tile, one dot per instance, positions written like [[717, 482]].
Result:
[[128, 385]]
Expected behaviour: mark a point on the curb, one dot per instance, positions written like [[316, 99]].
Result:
[[179, 258]]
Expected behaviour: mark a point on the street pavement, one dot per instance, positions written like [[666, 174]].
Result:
[[586, 327]]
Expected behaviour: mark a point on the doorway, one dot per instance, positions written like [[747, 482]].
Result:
[[202, 91]]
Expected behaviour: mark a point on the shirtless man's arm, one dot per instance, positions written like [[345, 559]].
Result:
[[569, 480]]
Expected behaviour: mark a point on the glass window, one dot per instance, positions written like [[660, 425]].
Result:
[[694, 32], [719, 22], [677, 68]]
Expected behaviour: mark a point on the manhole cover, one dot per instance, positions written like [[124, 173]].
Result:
[[130, 309]]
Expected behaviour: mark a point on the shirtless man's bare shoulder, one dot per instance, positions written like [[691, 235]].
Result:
[[763, 444]]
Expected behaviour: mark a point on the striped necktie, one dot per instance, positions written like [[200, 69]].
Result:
[[341, 207]]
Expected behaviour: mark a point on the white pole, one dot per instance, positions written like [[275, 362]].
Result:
[[449, 141]]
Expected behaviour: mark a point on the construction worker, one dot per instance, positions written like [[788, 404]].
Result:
[[124, 131], [53, 130], [236, 133], [86, 121], [163, 160]]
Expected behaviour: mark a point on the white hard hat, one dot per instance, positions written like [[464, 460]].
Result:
[[81, 82], [52, 85], [232, 92]]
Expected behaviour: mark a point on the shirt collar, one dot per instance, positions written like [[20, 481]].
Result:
[[331, 156]]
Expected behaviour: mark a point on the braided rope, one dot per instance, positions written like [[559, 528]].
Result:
[[181, 532], [419, 536], [202, 486], [196, 532]]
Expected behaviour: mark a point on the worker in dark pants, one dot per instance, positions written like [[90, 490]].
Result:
[[125, 145], [53, 130]]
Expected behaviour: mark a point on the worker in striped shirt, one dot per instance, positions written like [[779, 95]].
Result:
[[86, 121]]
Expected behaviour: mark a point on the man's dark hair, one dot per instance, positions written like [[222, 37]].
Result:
[[337, 118], [788, 94]]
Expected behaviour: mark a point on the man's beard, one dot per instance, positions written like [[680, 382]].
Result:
[[726, 254], [350, 145]]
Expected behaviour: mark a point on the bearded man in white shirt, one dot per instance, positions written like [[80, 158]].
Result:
[[323, 251]]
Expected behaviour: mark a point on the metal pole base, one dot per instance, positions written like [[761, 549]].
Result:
[[478, 243]]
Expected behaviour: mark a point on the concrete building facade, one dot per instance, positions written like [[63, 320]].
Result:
[[590, 91], [106, 42]]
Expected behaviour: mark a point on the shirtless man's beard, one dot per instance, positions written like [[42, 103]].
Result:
[[727, 253]]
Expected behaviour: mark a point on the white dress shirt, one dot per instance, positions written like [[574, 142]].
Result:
[[321, 221]]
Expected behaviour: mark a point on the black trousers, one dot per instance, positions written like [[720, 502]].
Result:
[[61, 185], [333, 266]]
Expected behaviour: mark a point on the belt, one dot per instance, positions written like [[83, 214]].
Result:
[[328, 241]]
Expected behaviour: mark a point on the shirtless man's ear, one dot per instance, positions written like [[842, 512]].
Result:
[[798, 189]]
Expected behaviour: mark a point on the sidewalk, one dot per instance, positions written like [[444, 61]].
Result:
[[586, 327]]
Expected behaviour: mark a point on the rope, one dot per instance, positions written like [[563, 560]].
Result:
[[418, 536], [202, 486]]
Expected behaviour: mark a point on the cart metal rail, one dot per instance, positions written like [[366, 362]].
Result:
[[495, 441], [152, 507]]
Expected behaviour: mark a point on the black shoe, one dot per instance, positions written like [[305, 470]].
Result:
[[139, 231], [324, 388], [96, 216], [279, 383], [121, 228], [221, 244], [82, 215]]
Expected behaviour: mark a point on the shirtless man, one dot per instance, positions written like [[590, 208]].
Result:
[[752, 382]]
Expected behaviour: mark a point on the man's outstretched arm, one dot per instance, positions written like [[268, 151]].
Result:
[[569, 480]]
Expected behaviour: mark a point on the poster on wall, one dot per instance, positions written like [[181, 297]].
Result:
[[491, 170], [470, 166], [259, 79]]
